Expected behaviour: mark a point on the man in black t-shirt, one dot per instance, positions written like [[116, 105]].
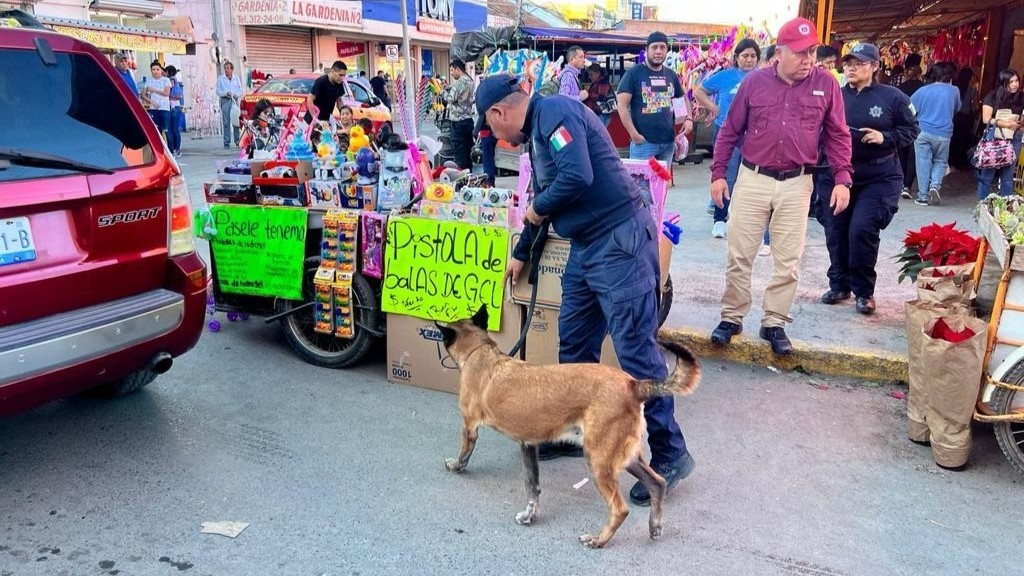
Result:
[[326, 91], [379, 86]]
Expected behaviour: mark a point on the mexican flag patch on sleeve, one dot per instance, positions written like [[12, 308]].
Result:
[[560, 139]]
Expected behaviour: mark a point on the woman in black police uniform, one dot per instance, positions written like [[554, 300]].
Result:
[[881, 122]]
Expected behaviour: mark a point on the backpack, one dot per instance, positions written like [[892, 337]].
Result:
[[554, 85]]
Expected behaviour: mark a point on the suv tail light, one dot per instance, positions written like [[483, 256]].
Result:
[[180, 233]]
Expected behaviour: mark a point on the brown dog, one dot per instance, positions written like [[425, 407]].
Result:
[[534, 404]]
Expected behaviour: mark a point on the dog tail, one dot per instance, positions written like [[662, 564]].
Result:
[[681, 382]]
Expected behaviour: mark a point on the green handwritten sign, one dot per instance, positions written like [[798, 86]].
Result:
[[259, 250], [444, 271]]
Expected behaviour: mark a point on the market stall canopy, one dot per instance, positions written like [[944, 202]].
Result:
[[469, 46], [880, 20]]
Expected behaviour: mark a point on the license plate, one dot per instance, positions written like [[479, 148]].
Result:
[[16, 243]]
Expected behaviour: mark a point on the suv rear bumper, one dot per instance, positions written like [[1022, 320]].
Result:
[[63, 340]]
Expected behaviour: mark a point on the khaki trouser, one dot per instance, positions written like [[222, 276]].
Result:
[[759, 201]]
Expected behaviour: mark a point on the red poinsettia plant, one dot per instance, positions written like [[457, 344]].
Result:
[[936, 245]]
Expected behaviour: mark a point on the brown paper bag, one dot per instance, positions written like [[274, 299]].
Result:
[[933, 284], [952, 376], [919, 313]]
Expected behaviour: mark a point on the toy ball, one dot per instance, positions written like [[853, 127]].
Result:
[[366, 162]]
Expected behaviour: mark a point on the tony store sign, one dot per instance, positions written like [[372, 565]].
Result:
[[318, 13], [436, 16]]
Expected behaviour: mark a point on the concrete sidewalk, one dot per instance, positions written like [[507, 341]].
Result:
[[833, 340]]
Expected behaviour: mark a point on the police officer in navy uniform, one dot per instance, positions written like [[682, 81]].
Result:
[[611, 280], [881, 122]]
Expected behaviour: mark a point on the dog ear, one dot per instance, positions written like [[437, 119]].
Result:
[[447, 334], [480, 318]]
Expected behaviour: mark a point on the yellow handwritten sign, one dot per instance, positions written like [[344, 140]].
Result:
[[444, 271], [123, 40]]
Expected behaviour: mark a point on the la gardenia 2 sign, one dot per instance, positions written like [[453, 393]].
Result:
[[346, 14]]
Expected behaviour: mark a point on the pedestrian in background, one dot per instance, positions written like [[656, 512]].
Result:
[[935, 104], [1007, 100], [121, 64], [964, 120], [177, 97], [229, 90], [777, 118], [645, 104], [723, 86], [158, 90], [881, 121], [910, 82], [460, 111], [599, 92], [569, 76]]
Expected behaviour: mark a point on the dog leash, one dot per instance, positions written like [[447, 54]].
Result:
[[540, 238]]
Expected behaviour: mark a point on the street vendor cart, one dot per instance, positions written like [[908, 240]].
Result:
[[1001, 402]]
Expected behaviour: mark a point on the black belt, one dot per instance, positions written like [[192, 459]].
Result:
[[779, 175], [881, 160]]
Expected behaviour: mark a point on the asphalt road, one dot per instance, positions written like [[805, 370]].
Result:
[[340, 473]]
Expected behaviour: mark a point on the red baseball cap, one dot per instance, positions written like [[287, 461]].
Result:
[[798, 34]]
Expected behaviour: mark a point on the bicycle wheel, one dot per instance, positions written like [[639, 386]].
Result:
[[1010, 435], [325, 349]]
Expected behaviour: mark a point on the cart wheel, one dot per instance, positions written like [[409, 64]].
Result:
[[214, 325], [1010, 435], [243, 317], [665, 303], [324, 349], [232, 317]]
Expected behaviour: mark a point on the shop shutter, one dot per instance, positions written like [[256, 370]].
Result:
[[278, 49]]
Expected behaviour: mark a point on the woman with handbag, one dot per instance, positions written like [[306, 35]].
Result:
[[997, 152]]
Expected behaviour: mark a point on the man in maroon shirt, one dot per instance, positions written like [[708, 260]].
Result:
[[779, 113]]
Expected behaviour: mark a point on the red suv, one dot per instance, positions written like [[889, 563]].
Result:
[[100, 284]]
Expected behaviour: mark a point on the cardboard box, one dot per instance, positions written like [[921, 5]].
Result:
[[552, 266], [542, 340], [549, 284], [416, 355]]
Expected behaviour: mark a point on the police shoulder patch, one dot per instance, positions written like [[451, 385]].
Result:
[[560, 138]]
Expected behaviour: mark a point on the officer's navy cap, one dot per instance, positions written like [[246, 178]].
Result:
[[491, 91], [864, 52]]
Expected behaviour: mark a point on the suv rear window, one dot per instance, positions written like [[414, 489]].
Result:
[[71, 110]]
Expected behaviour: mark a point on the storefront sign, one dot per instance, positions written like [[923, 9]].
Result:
[[437, 9], [259, 250], [428, 26], [348, 49], [124, 40], [444, 271], [333, 14]]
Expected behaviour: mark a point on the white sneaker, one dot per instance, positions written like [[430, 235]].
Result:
[[766, 250], [718, 230]]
